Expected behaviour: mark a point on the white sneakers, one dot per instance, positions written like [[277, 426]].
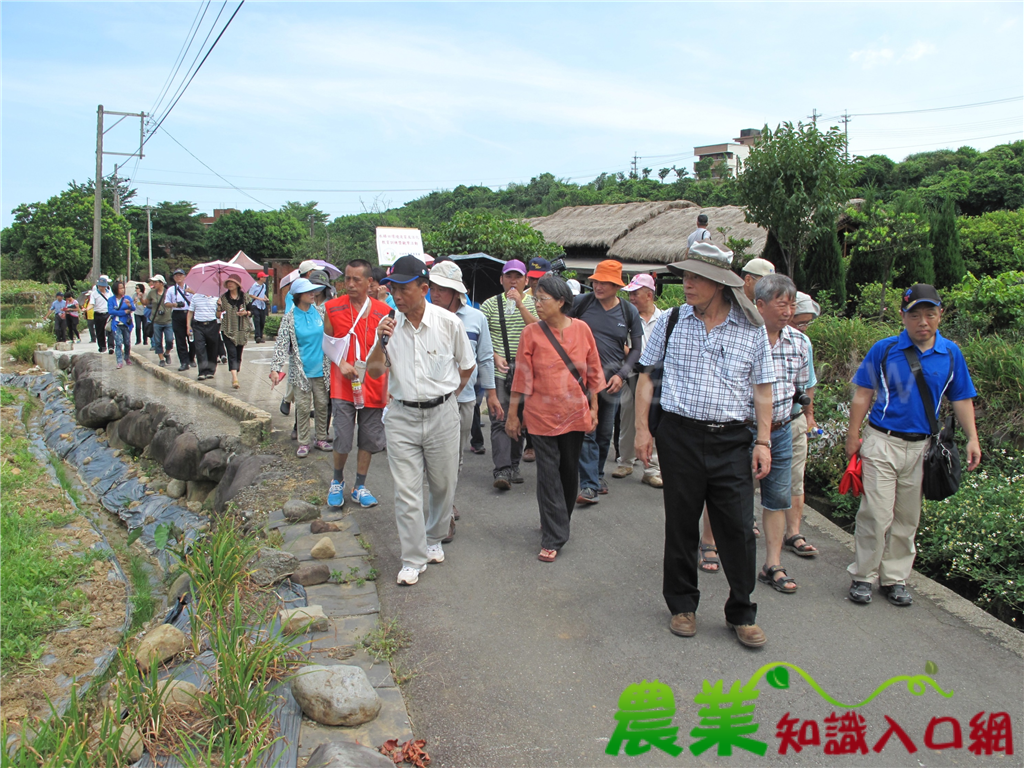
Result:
[[409, 576]]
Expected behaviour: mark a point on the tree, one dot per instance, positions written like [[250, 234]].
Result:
[[993, 243], [949, 262], [821, 269], [917, 264], [52, 241], [485, 232], [178, 233], [704, 168], [793, 184], [263, 235], [663, 172]]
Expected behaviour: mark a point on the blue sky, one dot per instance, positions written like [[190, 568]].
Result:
[[348, 103]]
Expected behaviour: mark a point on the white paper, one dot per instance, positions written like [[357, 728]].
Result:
[[335, 349]]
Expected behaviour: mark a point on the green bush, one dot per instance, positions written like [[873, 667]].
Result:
[[997, 370], [977, 536], [993, 242], [272, 325], [28, 292], [24, 349], [13, 330], [986, 305], [17, 311], [840, 344], [870, 301]]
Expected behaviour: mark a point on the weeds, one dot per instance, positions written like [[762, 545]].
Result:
[[24, 349], [385, 640]]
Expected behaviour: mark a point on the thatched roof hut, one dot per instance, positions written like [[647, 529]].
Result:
[[663, 238], [600, 226]]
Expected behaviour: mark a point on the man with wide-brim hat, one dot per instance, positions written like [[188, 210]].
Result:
[[715, 359], [449, 292], [615, 324], [427, 352]]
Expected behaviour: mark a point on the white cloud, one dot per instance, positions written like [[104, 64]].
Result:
[[917, 50], [872, 57]]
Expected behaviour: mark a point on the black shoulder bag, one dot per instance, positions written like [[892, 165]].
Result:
[[941, 476], [510, 374], [656, 372], [573, 371]]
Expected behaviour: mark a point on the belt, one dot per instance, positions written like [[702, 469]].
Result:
[[910, 437], [202, 322], [424, 404], [779, 424], [710, 427]]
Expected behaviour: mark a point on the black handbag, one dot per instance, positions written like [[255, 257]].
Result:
[[941, 476], [656, 372], [511, 373]]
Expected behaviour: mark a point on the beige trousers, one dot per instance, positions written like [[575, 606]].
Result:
[[890, 509], [796, 467], [627, 432], [317, 400]]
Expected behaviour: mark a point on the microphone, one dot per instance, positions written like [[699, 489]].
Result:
[[385, 337]]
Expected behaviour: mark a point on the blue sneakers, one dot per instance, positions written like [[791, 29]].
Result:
[[363, 497], [336, 494]]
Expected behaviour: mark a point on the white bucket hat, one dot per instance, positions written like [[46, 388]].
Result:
[[447, 274]]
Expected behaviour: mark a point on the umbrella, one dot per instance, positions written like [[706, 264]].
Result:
[[853, 478], [208, 279], [331, 270]]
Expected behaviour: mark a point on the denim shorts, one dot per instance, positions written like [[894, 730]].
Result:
[[776, 488]]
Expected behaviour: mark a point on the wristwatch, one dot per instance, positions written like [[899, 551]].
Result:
[[766, 443]]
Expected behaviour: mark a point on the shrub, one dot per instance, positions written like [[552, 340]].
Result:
[[992, 243], [272, 325], [869, 301], [24, 349], [977, 536], [985, 305], [997, 370], [840, 344], [13, 330]]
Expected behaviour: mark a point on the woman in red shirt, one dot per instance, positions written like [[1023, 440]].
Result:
[[560, 404]]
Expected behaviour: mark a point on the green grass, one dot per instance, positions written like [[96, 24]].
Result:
[[143, 602], [60, 469], [385, 640], [7, 396], [36, 581], [24, 348]]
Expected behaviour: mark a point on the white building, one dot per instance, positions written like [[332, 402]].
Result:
[[730, 154]]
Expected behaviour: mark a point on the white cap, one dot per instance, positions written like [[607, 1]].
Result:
[[805, 305], [574, 286], [759, 267], [307, 266], [158, 279]]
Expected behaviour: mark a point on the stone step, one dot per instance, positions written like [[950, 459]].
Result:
[[391, 723], [298, 530], [340, 600]]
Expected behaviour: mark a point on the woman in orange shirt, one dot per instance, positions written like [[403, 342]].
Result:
[[558, 375]]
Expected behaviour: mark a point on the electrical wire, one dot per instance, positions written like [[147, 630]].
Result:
[[938, 143], [187, 84], [193, 30]]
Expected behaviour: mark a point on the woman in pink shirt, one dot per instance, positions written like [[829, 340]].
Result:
[[560, 404]]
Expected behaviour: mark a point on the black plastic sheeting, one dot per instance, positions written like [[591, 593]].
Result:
[[102, 662], [106, 475]]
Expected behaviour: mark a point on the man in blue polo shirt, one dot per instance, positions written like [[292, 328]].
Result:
[[894, 444]]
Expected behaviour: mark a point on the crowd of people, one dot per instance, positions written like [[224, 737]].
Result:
[[714, 398]]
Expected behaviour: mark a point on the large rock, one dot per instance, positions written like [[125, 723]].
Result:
[[299, 511], [183, 459], [178, 695], [99, 413], [213, 465], [114, 439], [323, 549], [156, 411], [198, 490], [207, 444], [347, 754], [130, 744], [87, 389], [307, 618], [322, 526], [310, 574], [137, 429], [273, 565], [242, 472], [339, 695], [162, 443], [177, 488], [163, 643]]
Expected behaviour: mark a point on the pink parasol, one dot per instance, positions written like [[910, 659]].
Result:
[[208, 279]]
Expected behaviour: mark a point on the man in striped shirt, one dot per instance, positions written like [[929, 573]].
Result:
[[202, 324], [517, 311]]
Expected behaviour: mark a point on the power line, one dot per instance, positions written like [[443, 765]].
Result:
[[937, 143], [272, 189], [931, 109], [193, 30], [187, 84]]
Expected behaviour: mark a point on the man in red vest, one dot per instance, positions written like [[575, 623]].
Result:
[[352, 318]]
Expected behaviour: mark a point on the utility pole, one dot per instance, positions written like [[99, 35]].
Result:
[[97, 205], [846, 131], [814, 117], [149, 236], [117, 194], [129, 252], [633, 174]]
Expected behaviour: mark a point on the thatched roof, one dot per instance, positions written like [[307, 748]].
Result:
[[600, 226], [663, 238]]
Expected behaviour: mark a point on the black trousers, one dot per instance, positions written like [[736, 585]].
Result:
[[259, 319], [505, 451], [697, 468], [60, 327], [558, 462], [186, 349], [207, 343], [476, 434], [234, 353], [73, 328], [99, 321]]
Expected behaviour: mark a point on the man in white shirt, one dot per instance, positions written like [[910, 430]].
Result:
[[179, 297], [641, 295], [201, 323], [433, 361], [261, 298], [98, 299], [701, 232]]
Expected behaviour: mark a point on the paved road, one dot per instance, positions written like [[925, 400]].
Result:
[[521, 663]]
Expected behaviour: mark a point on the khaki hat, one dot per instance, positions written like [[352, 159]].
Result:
[[447, 274], [805, 305], [307, 266], [758, 268], [708, 260]]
